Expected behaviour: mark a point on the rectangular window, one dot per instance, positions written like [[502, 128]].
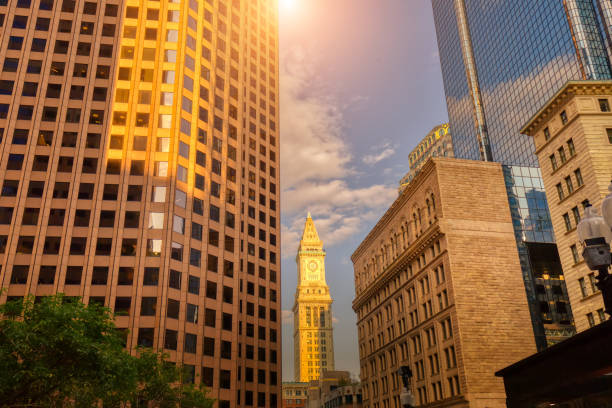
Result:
[[569, 184], [583, 287], [579, 180], [567, 221], [609, 133], [571, 147], [560, 192], [562, 157], [553, 162], [590, 319], [604, 105], [546, 134], [575, 253], [563, 116]]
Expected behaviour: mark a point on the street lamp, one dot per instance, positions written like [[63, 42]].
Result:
[[406, 397], [595, 234]]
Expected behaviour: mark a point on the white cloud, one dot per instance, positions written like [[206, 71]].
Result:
[[286, 316], [316, 161], [387, 151]]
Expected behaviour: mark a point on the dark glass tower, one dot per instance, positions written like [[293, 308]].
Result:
[[501, 60]]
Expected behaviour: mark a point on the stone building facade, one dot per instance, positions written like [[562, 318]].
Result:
[[439, 288], [139, 165], [295, 394], [573, 139]]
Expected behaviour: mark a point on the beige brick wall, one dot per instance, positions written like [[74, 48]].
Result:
[[586, 127], [493, 320]]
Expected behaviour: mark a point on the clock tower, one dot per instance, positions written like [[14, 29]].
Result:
[[313, 341]]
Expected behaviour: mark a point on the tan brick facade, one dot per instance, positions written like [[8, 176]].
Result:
[[573, 138], [439, 288]]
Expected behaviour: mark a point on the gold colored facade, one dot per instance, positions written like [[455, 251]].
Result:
[[139, 167], [437, 143], [313, 341], [573, 139], [438, 287]]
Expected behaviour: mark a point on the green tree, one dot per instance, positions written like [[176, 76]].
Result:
[[61, 353]]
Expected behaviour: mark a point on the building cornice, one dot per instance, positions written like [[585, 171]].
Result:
[[412, 252], [563, 95], [397, 205]]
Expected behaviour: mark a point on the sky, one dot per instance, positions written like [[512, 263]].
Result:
[[360, 86]]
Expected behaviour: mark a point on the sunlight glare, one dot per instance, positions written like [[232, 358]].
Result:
[[287, 5]]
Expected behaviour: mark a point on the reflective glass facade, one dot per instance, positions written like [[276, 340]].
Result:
[[458, 98], [523, 51]]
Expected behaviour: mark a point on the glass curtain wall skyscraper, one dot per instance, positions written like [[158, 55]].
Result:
[[500, 61], [139, 154]]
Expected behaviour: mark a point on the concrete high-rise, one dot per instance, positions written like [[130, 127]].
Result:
[[139, 168], [313, 340], [500, 62]]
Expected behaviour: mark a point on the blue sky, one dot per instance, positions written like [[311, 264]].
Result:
[[360, 86]]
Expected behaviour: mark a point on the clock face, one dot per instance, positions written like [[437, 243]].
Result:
[[312, 265]]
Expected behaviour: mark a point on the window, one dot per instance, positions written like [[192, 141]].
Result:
[[175, 279], [154, 247], [568, 223], [170, 340], [151, 276], [553, 162], [176, 251], [148, 306], [563, 116], [583, 287], [571, 147], [560, 192], [575, 253], [579, 180], [173, 308], [576, 213], [73, 275], [191, 313], [569, 184], [609, 133], [562, 157], [593, 283], [601, 315], [604, 105], [590, 319]]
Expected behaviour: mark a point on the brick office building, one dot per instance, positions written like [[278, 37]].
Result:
[[573, 139], [439, 289], [139, 169]]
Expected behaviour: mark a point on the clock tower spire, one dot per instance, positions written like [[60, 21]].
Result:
[[313, 331]]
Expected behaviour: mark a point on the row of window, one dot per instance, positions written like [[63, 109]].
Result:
[[591, 318], [561, 153], [58, 68], [569, 185]]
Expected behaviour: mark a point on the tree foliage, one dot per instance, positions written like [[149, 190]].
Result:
[[61, 353]]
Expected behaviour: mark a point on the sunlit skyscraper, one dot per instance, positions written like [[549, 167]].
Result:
[[500, 62], [139, 169]]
